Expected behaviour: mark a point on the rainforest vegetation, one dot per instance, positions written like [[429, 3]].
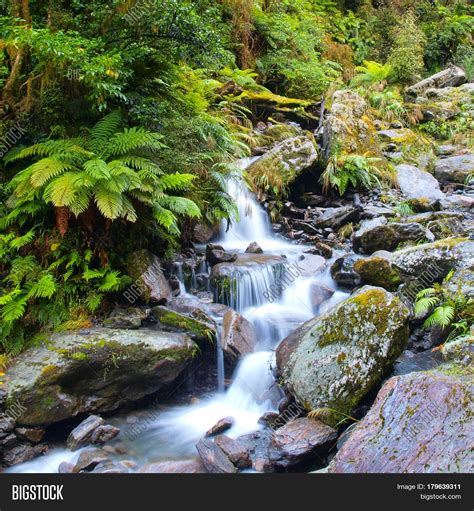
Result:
[[121, 122]]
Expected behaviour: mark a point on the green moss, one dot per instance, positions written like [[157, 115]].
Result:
[[378, 271], [197, 329]]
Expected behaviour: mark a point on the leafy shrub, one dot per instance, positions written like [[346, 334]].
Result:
[[358, 170], [406, 57], [372, 74]]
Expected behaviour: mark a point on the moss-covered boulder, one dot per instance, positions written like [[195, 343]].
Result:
[[95, 371], [420, 422], [349, 127], [149, 283], [377, 270], [203, 329], [287, 158], [332, 361]]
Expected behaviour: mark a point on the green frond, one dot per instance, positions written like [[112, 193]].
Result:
[[97, 169], [111, 282], [181, 206], [442, 316], [166, 219], [14, 310], [103, 130], [176, 181], [108, 203], [44, 288], [61, 191], [22, 241], [133, 138], [47, 168]]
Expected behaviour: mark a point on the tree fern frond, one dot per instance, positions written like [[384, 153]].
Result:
[[97, 168], [133, 138], [45, 169], [442, 316], [181, 206], [103, 130], [176, 181], [61, 191], [44, 288], [108, 203]]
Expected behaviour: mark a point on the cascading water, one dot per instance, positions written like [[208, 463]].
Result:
[[171, 434]]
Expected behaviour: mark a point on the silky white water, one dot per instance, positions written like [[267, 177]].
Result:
[[172, 433]]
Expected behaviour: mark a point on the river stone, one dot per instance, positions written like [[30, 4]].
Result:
[[246, 262], [450, 77], [81, 434], [292, 156], [33, 435], [335, 217], [378, 234], [409, 362], [21, 453], [89, 459], [221, 426], [397, 136], [319, 294], [199, 330], [174, 467], [238, 337], [237, 450], [420, 423], [145, 270], [213, 458], [415, 183], [215, 254], [377, 270], [254, 248], [97, 370], [455, 169], [343, 272], [299, 440], [333, 360]]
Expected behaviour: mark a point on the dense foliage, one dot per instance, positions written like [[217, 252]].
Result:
[[121, 120]]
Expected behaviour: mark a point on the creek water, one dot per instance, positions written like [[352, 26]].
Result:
[[171, 433]]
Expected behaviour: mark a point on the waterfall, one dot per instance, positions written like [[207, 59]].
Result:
[[175, 431]]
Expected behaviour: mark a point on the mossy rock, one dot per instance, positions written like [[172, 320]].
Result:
[[94, 371], [377, 271], [332, 361], [204, 331]]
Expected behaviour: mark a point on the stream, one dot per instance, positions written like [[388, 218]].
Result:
[[171, 432]]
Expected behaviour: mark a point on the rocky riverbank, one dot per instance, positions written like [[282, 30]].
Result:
[[363, 385]]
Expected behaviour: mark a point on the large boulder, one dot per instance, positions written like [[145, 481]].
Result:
[[437, 258], [238, 337], [290, 157], [98, 370], [420, 422], [379, 234], [415, 183], [149, 283], [455, 169], [450, 77], [333, 360], [215, 254], [349, 126]]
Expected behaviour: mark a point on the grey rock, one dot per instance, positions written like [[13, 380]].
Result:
[[333, 360], [94, 371], [415, 183], [455, 169]]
